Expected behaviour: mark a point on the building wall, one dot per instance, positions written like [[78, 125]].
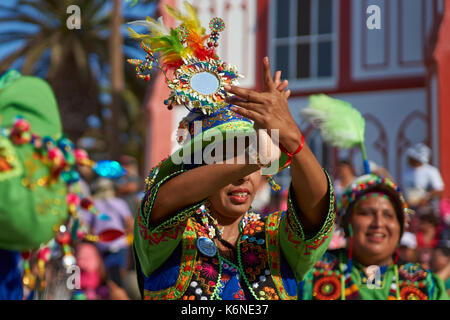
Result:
[[395, 119], [395, 50]]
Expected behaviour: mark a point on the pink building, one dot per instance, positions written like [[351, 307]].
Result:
[[395, 75]]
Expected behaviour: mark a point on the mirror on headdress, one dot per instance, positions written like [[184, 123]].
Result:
[[205, 83]]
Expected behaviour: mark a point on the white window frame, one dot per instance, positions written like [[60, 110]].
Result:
[[313, 82]]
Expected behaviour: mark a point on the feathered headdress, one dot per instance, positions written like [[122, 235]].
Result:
[[199, 76], [340, 124]]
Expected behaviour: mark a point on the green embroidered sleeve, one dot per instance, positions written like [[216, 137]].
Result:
[[302, 251], [437, 288], [155, 244]]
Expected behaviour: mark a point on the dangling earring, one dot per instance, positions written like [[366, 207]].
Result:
[[275, 186]]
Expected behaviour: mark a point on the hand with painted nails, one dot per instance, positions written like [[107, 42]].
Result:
[[268, 109]]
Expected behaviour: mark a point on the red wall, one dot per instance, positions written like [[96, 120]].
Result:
[[442, 55]]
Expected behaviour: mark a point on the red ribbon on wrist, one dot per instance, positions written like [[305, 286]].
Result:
[[291, 154]]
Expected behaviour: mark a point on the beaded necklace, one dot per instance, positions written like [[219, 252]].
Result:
[[212, 226], [215, 232]]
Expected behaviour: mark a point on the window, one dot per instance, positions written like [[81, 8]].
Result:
[[304, 41]]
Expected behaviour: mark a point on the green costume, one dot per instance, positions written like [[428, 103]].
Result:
[[273, 254], [338, 276]]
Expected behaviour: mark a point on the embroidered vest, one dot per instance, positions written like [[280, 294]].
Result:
[[258, 254], [327, 282]]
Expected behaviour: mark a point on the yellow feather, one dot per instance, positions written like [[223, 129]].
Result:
[[194, 20], [135, 35], [190, 21], [157, 27]]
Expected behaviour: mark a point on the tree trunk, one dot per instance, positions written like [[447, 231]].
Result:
[[117, 79], [77, 97]]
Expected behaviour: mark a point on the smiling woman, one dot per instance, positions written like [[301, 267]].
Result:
[[374, 216]]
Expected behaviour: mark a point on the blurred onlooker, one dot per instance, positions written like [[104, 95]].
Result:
[[428, 234], [407, 248], [93, 275], [422, 182], [445, 214], [338, 240], [114, 213], [440, 264], [86, 177], [345, 174], [128, 186], [427, 237]]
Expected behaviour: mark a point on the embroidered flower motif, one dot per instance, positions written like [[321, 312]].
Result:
[[208, 271], [212, 232], [253, 227], [269, 294], [251, 257], [327, 288], [412, 293], [254, 259], [239, 295], [249, 217]]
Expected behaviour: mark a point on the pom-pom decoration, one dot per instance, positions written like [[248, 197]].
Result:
[[109, 169], [217, 25], [20, 134]]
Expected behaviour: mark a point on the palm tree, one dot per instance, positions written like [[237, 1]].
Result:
[[74, 62]]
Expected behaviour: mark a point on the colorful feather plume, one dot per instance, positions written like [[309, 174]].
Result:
[[340, 124], [174, 45]]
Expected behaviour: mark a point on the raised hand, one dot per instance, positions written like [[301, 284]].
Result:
[[281, 86], [268, 109]]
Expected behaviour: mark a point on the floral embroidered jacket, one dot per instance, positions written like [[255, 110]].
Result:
[[273, 254], [330, 280]]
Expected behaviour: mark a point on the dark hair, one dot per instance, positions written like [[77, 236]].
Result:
[[444, 249], [348, 163], [429, 218]]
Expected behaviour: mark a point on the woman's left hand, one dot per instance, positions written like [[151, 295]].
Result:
[[268, 109]]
